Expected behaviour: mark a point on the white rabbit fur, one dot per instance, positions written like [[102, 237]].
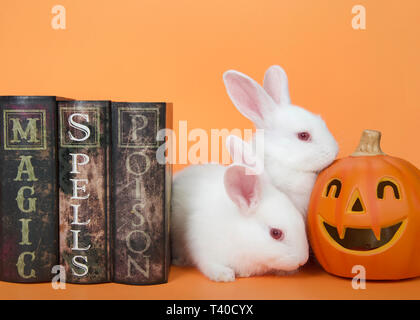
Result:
[[221, 221], [291, 164]]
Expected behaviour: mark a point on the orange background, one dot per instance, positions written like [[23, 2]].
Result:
[[156, 50]]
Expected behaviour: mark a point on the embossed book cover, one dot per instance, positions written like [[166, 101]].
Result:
[[28, 189], [83, 190], [140, 193]]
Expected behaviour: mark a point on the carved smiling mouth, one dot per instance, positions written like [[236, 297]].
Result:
[[362, 239]]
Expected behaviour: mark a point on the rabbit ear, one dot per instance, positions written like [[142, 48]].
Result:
[[276, 85], [243, 189], [248, 97]]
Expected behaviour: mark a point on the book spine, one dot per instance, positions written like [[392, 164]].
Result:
[[140, 193], [83, 190], [28, 189]]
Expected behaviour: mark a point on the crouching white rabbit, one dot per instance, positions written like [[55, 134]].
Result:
[[229, 222], [297, 143]]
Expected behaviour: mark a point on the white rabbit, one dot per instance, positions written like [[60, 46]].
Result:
[[228, 222], [297, 143]]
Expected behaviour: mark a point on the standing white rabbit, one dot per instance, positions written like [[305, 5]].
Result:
[[228, 222], [297, 143]]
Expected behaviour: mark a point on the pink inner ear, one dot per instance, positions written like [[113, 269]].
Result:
[[244, 190], [276, 85], [245, 94], [247, 190]]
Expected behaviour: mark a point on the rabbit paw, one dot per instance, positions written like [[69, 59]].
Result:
[[219, 273]]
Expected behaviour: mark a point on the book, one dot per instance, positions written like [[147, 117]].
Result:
[[140, 190], [84, 141], [28, 188]]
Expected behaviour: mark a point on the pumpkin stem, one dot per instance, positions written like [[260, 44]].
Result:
[[369, 145]]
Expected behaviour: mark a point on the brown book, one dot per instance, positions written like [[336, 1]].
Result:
[[140, 189], [28, 189], [83, 190]]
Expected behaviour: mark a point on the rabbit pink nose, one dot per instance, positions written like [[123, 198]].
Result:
[[276, 234]]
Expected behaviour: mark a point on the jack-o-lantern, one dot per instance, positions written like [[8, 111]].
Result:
[[365, 210]]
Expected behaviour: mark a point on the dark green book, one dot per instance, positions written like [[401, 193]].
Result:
[[28, 189]]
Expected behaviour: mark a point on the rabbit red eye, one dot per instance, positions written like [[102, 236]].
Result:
[[304, 136], [276, 234]]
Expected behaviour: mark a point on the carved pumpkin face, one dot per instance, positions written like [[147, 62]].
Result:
[[365, 210]]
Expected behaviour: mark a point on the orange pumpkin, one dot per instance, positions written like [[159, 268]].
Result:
[[365, 210]]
